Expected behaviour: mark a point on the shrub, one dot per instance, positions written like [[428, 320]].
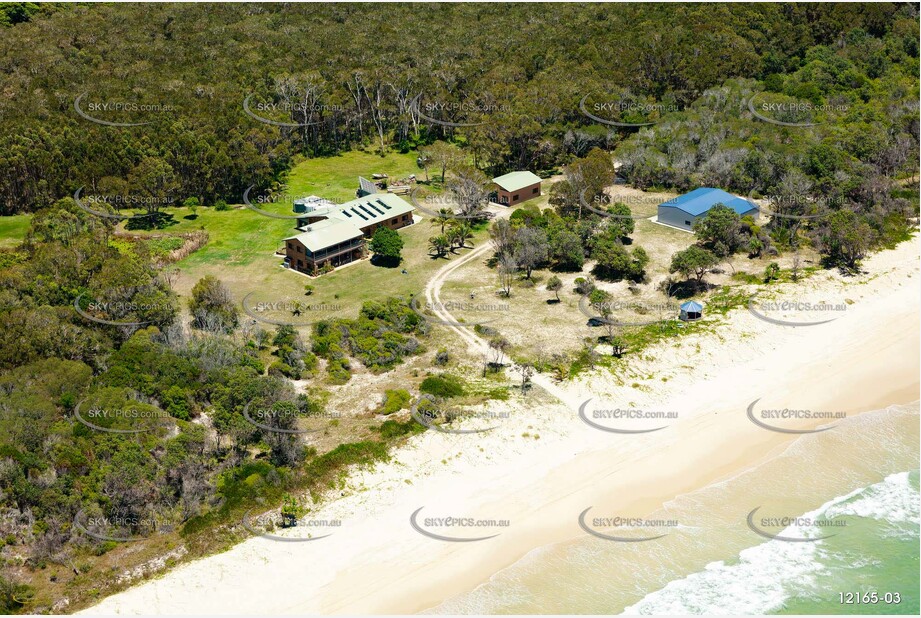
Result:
[[485, 331], [285, 336], [310, 364], [584, 285], [394, 401], [279, 368], [212, 305], [177, 403], [380, 337], [597, 297], [291, 511], [771, 272], [395, 429], [444, 385], [352, 453], [13, 595], [339, 371], [555, 284], [616, 263]]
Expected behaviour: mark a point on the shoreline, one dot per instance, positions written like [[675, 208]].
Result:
[[377, 564], [588, 576]]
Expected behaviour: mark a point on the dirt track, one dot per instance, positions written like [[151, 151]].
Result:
[[478, 346]]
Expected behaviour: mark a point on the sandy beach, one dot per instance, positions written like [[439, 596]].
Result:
[[865, 359]]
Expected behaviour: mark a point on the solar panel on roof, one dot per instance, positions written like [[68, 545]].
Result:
[[376, 209], [381, 202], [364, 218], [366, 186]]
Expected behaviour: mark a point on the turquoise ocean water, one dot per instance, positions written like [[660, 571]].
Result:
[[860, 480]]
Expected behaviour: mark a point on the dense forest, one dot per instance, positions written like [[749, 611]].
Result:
[[205, 100], [345, 76]]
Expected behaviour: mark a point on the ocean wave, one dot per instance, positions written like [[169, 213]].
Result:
[[894, 501], [765, 576]]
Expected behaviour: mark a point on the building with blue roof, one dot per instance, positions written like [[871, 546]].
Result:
[[691, 310], [682, 211]]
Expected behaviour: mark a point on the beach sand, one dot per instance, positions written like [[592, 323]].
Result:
[[865, 359]]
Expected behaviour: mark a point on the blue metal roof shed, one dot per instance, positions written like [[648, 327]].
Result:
[[682, 211], [691, 310]]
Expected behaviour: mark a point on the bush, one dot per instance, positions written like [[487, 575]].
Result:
[[339, 371], [616, 263], [598, 297], [310, 364], [395, 429], [177, 403], [221, 205], [380, 337], [13, 595], [485, 331], [394, 401], [555, 284], [584, 285], [291, 511], [279, 368], [351, 453], [771, 272], [444, 385], [212, 305]]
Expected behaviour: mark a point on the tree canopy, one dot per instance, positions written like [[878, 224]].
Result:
[[386, 245], [694, 261], [318, 80]]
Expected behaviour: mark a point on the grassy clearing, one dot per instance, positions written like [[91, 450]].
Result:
[[336, 178], [242, 244], [13, 229], [241, 253]]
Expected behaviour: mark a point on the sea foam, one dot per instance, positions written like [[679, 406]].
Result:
[[764, 577]]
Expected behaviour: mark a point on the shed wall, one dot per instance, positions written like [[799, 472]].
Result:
[[675, 217]]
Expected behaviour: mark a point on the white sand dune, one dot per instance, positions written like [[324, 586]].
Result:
[[866, 359]]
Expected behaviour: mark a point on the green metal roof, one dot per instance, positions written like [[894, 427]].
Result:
[[326, 233], [515, 181], [345, 221], [371, 209]]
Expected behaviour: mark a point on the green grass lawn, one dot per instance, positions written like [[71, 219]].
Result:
[[240, 252], [336, 178], [242, 243], [13, 229]]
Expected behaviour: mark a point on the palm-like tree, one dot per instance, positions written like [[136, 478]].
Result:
[[459, 232], [443, 217], [439, 245]]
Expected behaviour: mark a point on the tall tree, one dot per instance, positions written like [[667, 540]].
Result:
[[694, 261], [720, 230], [531, 248]]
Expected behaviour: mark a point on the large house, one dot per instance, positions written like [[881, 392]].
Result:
[[516, 187], [335, 234], [682, 211]]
